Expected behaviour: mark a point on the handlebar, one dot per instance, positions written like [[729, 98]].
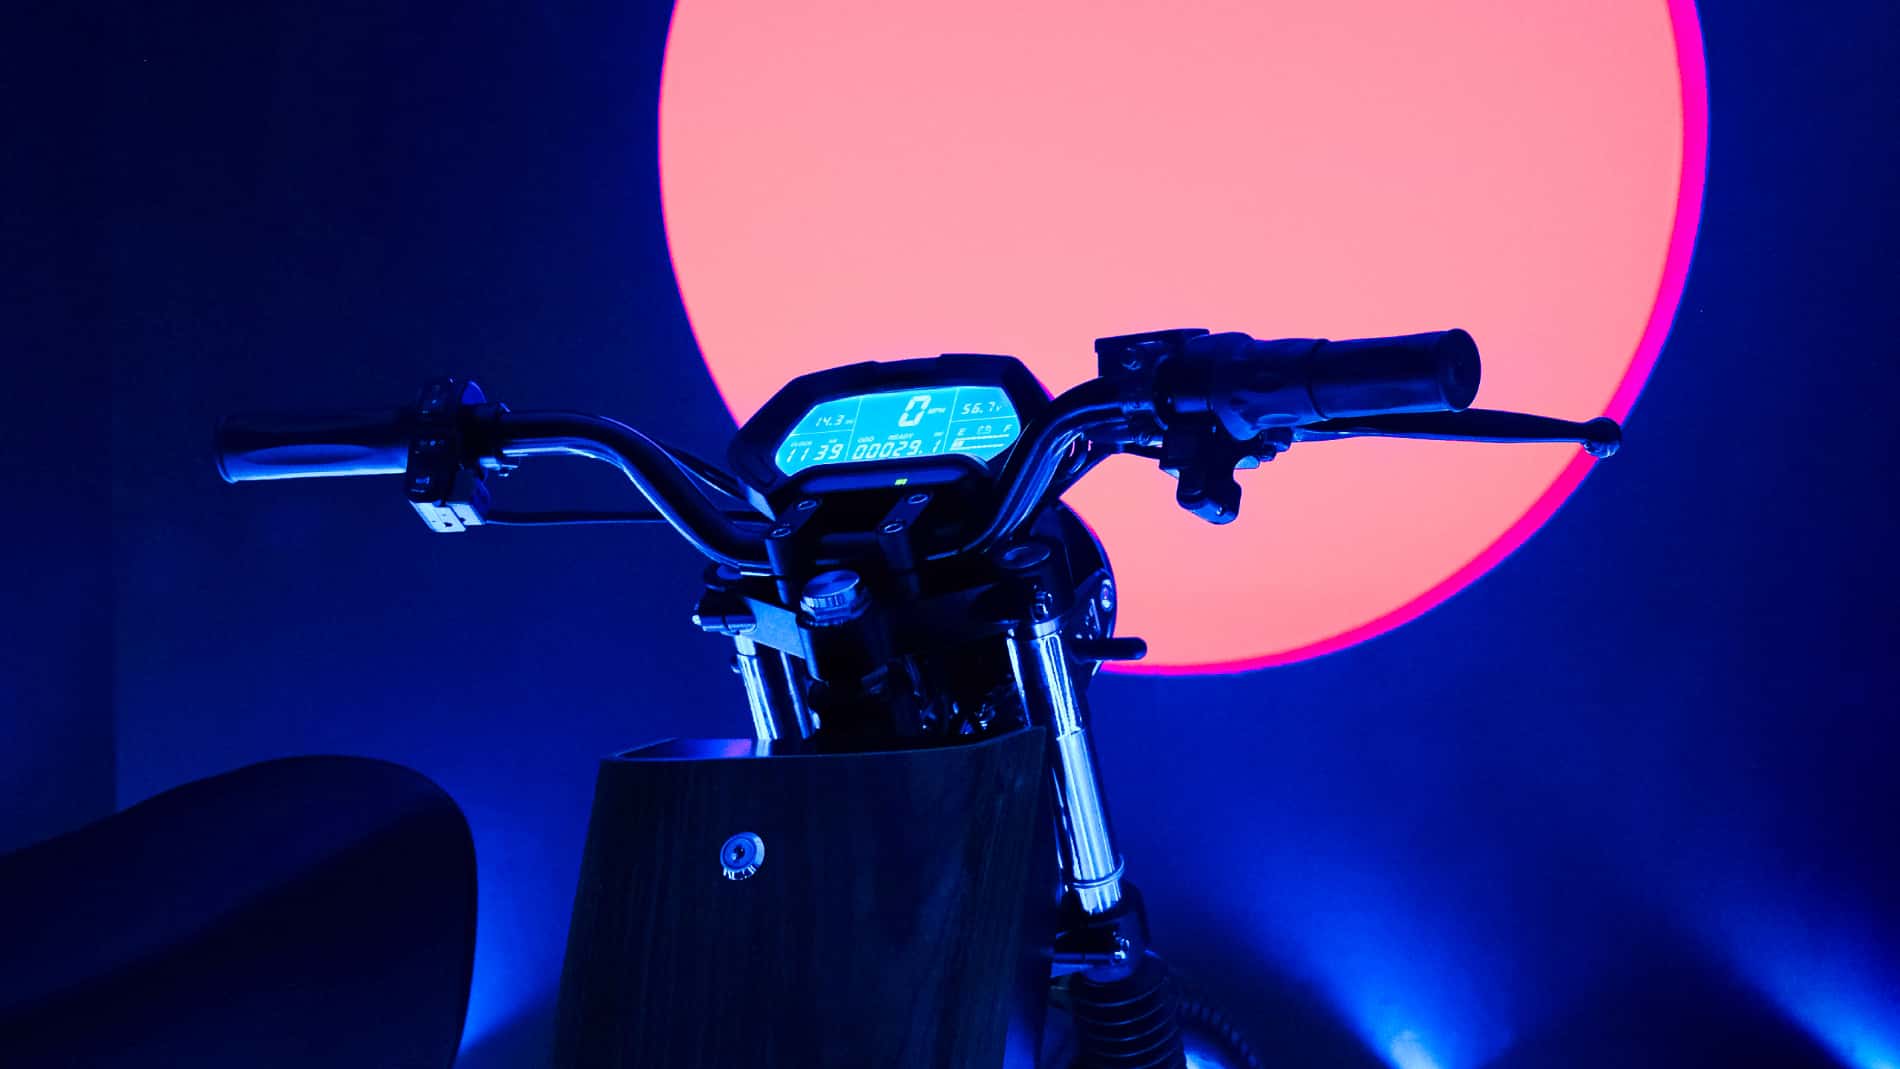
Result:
[[253, 447], [652, 468], [311, 445], [1235, 396], [1083, 412]]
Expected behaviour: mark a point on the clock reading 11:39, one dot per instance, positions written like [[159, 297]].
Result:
[[976, 421]]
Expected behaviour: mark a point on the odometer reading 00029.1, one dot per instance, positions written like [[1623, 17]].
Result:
[[976, 421]]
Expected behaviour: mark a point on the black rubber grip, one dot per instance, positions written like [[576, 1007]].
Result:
[[1436, 372], [1252, 385], [312, 445]]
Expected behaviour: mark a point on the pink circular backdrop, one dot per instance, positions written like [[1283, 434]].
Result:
[[874, 180]]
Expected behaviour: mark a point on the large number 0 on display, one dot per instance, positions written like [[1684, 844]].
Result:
[[914, 410]]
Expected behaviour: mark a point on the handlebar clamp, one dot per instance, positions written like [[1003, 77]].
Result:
[[1131, 361]]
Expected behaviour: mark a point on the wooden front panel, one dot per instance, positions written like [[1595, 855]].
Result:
[[882, 930]]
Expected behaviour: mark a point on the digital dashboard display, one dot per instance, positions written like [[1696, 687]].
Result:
[[977, 421]]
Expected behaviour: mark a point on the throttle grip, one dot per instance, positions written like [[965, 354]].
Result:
[[1434, 372], [1251, 385], [312, 445]]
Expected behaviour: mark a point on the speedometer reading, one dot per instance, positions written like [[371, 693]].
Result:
[[976, 421]]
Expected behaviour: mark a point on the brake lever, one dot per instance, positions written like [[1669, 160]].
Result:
[[1600, 437], [1204, 462]]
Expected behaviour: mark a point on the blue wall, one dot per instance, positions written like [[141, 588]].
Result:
[[1643, 772], [55, 445]]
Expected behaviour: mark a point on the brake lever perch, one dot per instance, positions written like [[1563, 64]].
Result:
[[1600, 437], [1203, 462]]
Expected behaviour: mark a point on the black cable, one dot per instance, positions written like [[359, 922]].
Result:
[[660, 479], [1034, 460], [569, 517], [1086, 462], [704, 472], [583, 517], [1076, 462]]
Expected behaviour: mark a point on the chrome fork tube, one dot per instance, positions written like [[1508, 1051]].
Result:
[[778, 710], [1091, 866], [795, 681]]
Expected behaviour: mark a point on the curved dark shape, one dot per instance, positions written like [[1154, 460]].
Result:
[[311, 911]]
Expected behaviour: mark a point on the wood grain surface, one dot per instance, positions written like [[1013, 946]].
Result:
[[883, 928]]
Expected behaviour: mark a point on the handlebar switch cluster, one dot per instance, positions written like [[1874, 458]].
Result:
[[1219, 402], [450, 495], [1167, 400]]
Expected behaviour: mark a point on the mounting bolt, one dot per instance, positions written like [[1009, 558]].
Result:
[[893, 527], [742, 855]]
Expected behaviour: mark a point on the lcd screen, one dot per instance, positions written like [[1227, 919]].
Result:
[[977, 421]]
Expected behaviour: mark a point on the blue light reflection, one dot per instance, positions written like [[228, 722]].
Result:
[[1402, 970]]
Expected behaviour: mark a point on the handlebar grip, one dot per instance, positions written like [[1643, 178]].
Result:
[[1252, 385], [1435, 372], [312, 445]]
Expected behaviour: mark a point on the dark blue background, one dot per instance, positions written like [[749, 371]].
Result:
[[1636, 786]]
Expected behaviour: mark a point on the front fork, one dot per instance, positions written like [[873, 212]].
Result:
[[1091, 868], [1121, 1000], [775, 691]]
